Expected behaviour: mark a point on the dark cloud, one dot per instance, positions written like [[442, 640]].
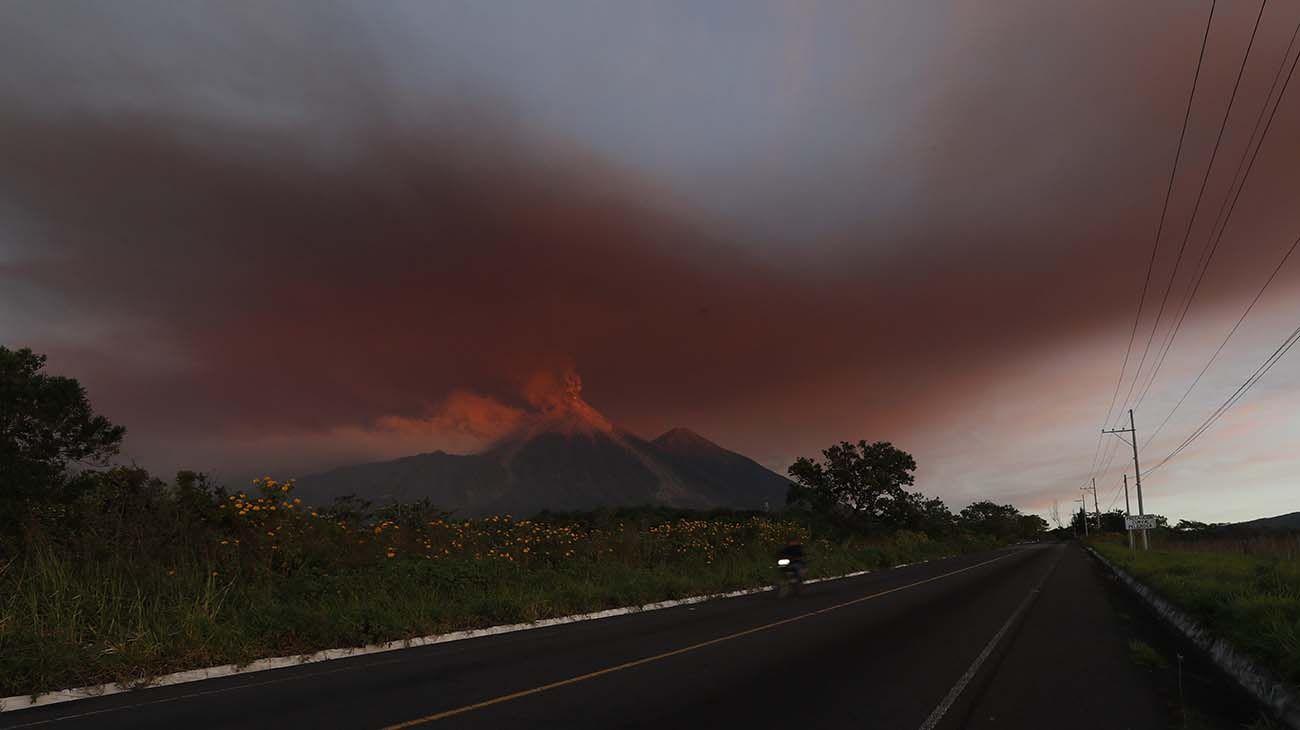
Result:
[[311, 296], [223, 272]]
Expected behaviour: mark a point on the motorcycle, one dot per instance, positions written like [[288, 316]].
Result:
[[790, 580]]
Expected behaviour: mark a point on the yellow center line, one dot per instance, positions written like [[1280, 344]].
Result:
[[646, 660]]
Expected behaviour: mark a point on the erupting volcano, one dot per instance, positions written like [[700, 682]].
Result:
[[564, 455]]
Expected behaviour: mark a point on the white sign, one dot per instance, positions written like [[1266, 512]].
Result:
[[1141, 522]]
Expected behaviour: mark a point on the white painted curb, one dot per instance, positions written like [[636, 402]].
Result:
[[1260, 683], [22, 702]]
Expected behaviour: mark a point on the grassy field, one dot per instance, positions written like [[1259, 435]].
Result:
[[146, 581], [1251, 600]]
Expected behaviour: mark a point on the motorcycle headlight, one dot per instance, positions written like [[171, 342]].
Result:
[[783, 561]]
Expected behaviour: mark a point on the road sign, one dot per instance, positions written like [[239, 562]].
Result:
[[1141, 522]]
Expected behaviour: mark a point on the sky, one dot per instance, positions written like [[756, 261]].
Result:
[[281, 237]]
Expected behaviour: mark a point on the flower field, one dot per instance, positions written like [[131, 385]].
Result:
[[139, 578], [273, 524]]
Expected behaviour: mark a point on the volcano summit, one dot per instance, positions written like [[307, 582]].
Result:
[[565, 456]]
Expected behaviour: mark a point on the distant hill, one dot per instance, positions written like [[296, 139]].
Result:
[[731, 478], [1289, 521], [568, 457]]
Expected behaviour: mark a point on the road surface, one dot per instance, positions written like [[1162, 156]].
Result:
[[1017, 638]]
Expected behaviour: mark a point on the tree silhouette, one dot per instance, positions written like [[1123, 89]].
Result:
[[863, 481], [47, 428]]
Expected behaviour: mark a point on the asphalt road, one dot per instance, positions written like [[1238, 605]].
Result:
[[1016, 638]]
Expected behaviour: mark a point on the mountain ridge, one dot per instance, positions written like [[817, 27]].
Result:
[[1288, 521], [565, 457]]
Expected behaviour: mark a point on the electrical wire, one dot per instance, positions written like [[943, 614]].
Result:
[[1164, 211], [1231, 332], [1232, 207], [1196, 209], [1232, 400]]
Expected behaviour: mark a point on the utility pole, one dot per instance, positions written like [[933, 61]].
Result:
[[1137, 469], [1083, 514], [1096, 508], [1085, 507], [1128, 512]]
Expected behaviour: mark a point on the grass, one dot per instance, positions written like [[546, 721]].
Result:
[[1145, 655], [1250, 600], [142, 581]]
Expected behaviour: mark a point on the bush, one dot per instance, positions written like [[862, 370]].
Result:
[[136, 576]]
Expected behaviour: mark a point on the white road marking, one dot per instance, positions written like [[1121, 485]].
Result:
[[932, 721], [23, 702], [444, 714]]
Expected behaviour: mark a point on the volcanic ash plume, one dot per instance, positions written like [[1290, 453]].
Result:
[[557, 396], [573, 386], [551, 389]]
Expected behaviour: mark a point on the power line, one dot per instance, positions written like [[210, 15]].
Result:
[[1108, 452], [1095, 453], [1229, 205], [1155, 248], [1231, 332], [1196, 208], [1137, 469], [1164, 210], [1114, 497], [1231, 208], [1237, 395], [1114, 449], [1110, 458], [1277, 76], [1113, 446]]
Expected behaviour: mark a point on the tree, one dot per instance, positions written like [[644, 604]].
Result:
[[934, 516], [1078, 520], [1030, 526], [989, 518], [1193, 527], [862, 481], [1001, 521], [47, 426], [1113, 521]]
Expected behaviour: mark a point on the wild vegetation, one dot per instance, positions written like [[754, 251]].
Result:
[[110, 574], [1246, 591]]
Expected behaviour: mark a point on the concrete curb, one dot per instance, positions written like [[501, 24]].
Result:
[[22, 702], [1274, 694]]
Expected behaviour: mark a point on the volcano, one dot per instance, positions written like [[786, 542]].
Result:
[[565, 457]]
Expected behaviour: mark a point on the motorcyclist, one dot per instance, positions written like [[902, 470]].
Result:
[[793, 551]]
